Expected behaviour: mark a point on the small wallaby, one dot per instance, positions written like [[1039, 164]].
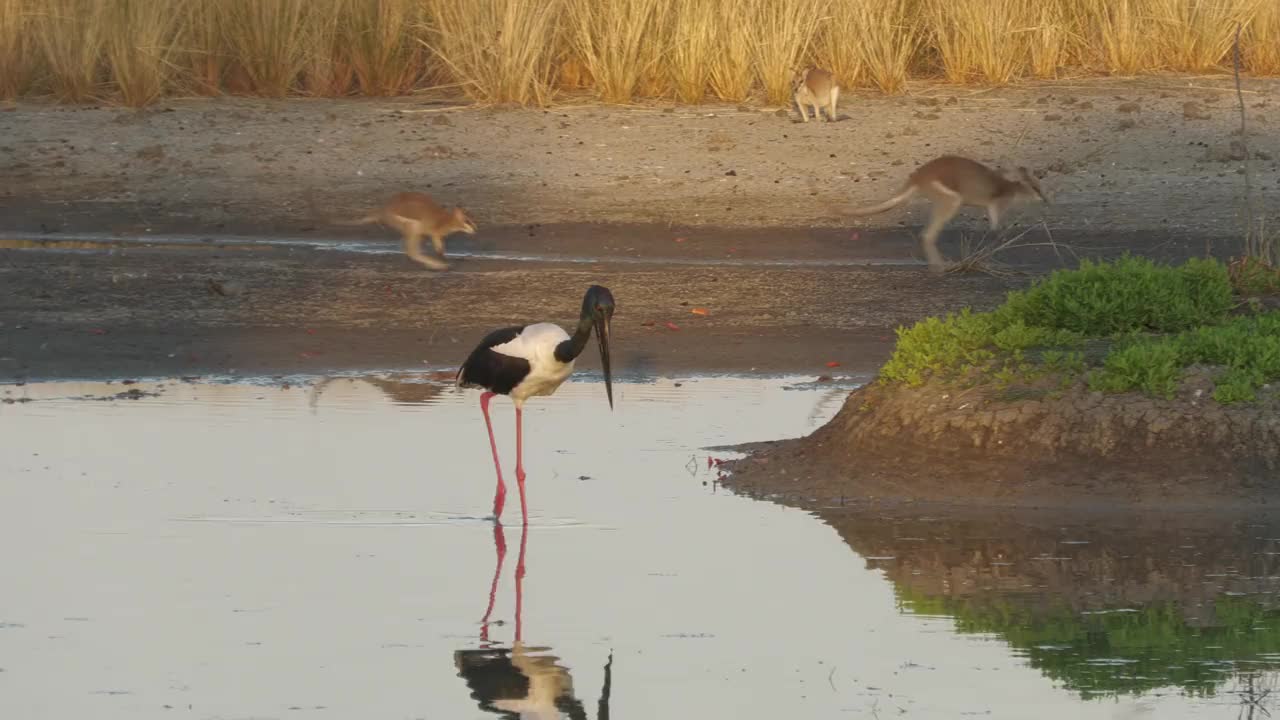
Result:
[[952, 182], [415, 214], [815, 88]]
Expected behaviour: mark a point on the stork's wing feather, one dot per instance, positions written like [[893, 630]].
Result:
[[488, 369]]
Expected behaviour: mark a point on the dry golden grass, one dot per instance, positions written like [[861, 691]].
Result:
[[70, 34], [984, 42], [1049, 40], [204, 58], [325, 68], [1120, 34], [890, 38], [781, 35], [270, 41], [1194, 36], [695, 33], [382, 44], [498, 50], [620, 42], [140, 47], [731, 72], [16, 49], [134, 51], [1262, 43]]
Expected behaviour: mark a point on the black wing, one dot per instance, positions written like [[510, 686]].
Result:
[[491, 370]]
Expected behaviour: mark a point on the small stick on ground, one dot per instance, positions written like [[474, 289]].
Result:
[[982, 257]]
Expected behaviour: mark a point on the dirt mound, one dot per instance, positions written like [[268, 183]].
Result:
[[991, 445]]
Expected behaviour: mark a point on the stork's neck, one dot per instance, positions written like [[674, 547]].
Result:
[[570, 349]]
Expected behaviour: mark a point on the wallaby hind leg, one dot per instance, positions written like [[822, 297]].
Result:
[[800, 107], [945, 207], [413, 248], [831, 111], [437, 241], [817, 111]]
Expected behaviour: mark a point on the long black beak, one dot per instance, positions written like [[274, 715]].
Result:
[[602, 336]]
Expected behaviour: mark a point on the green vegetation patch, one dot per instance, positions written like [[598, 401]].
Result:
[[1129, 651], [1158, 319]]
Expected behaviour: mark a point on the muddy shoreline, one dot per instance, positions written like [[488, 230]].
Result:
[[738, 211]]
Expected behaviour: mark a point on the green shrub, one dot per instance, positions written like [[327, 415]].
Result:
[[1247, 347], [1102, 299], [1125, 301]]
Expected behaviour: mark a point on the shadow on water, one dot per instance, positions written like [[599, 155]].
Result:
[[1104, 605], [521, 680]]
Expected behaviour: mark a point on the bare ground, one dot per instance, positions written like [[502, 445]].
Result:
[[732, 210]]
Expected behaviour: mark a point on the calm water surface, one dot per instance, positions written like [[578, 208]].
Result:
[[241, 550]]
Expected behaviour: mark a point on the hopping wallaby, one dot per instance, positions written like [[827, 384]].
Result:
[[952, 182], [415, 214], [815, 88]]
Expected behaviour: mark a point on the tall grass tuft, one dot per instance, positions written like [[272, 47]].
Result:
[[620, 42], [1120, 33], [694, 29], [382, 45], [783, 33], [498, 50], [891, 37], [838, 47], [270, 41], [326, 64], [1262, 44], [140, 47], [17, 52], [731, 66], [1050, 39], [205, 56], [1196, 35], [70, 34], [982, 41]]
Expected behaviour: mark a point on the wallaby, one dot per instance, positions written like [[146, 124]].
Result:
[[816, 88], [415, 214], [952, 182]]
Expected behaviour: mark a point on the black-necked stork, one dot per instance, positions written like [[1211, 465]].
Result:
[[531, 360]]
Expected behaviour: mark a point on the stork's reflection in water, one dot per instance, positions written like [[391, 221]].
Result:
[[522, 682]]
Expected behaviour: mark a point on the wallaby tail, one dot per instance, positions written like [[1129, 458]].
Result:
[[372, 217], [893, 202]]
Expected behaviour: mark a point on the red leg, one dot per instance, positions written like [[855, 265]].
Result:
[[501, 494], [499, 546], [524, 536], [524, 509]]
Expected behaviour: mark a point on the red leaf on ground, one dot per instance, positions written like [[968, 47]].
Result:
[[699, 311], [833, 363], [97, 331], [672, 326]]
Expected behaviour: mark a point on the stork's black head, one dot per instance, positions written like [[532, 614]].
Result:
[[597, 305]]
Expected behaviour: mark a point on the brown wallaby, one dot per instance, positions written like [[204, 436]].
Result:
[[415, 214], [816, 88], [952, 182]]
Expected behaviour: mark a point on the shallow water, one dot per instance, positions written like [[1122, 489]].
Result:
[[221, 550], [112, 242]]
